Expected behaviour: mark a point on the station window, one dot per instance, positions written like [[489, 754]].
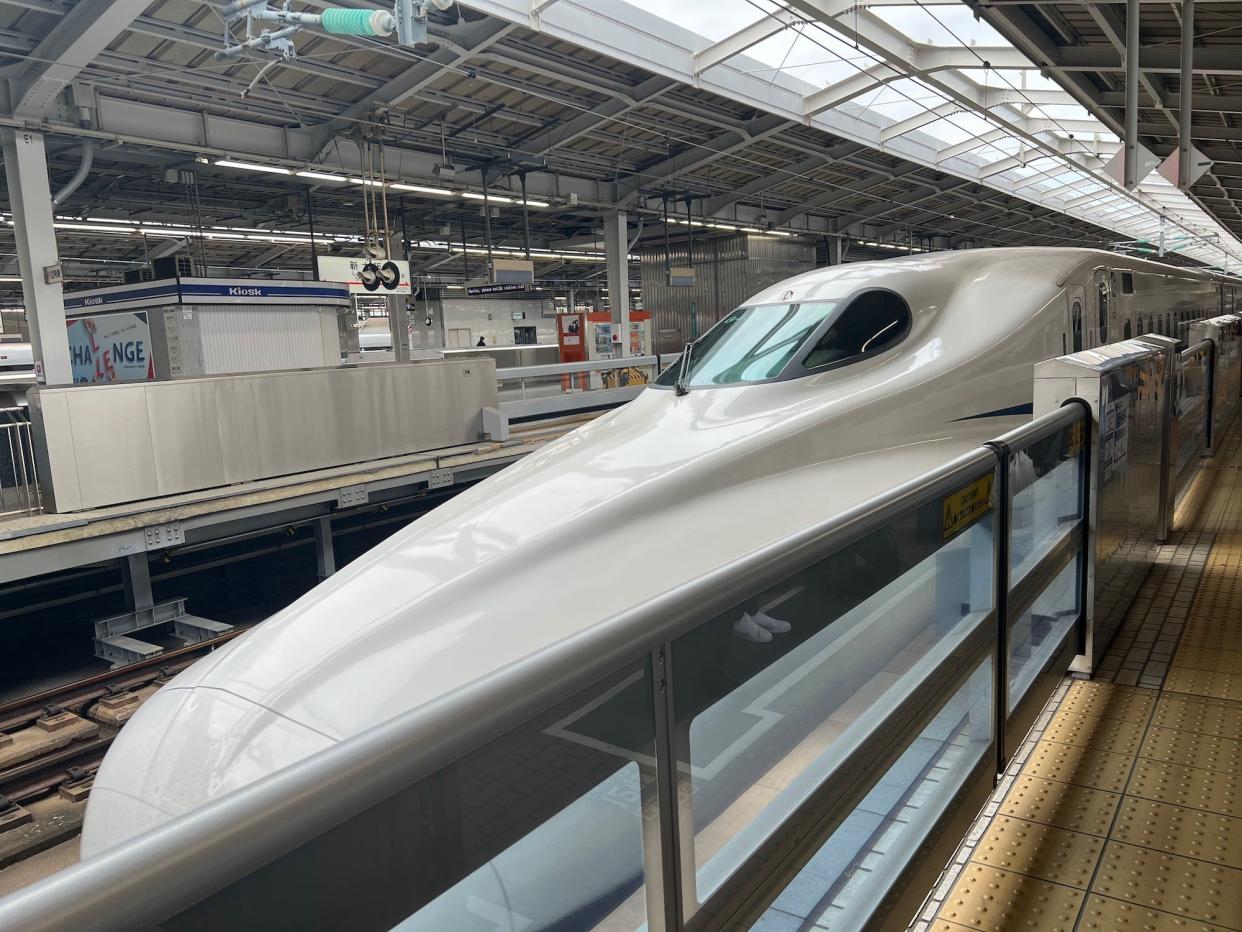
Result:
[[1127, 283], [1103, 292], [874, 321], [1076, 324]]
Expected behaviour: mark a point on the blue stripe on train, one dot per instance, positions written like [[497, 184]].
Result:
[[1002, 412]]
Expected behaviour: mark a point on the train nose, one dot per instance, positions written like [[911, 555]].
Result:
[[186, 746]]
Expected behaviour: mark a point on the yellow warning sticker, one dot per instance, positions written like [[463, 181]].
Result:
[[964, 507]]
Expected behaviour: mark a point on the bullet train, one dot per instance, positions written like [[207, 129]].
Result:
[[818, 393]]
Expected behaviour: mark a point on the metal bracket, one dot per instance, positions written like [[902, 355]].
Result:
[[352, 496], [440, 479], [164, 535], [112, 641]]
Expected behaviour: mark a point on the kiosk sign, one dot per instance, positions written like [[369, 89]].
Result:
[[111, 348]]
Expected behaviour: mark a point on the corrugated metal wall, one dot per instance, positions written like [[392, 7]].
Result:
[[236, 338], [729, 269]]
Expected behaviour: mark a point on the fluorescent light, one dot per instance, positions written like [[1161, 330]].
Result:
[[322, 176], [530, 203], [419, 189], [366, 181], [94, 228], [498, 198], [10, 278], [253, 167]]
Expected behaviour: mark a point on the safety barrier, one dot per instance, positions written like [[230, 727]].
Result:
[[19, 477], [674, 768], [528, 392]]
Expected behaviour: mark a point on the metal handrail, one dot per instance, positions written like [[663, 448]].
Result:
[[147, 879], [569, 368]]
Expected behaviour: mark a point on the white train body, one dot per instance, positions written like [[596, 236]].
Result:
[[630, 505]]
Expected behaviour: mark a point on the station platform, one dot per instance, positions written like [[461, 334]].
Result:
[[1123, 808]]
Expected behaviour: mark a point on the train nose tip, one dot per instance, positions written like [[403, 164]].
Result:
[[183, 748]]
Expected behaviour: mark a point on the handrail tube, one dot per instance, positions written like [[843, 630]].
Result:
[[569, 368], [153, 876], [1043, 427]]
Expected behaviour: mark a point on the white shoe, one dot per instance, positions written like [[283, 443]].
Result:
[[746, 628], [775, 625]]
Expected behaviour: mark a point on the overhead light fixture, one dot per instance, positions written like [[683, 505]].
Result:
[[531, 203], [498, 198], [322, 176], [253, 167], [419, 189], [366, 181], [10, 278], [445, 171], [94, 228]]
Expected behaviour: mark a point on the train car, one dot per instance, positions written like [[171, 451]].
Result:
[[818, 394]]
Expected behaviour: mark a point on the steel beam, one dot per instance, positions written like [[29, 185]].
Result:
[[1185, 110], [1218, 60], [796, 172], [72, 44], [1130, 170], [30, 200], [589, 120], [763, 28]]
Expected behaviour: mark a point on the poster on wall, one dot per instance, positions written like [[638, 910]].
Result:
[[111, 348]]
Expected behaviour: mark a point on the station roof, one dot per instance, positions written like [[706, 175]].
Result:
[[903, 127]]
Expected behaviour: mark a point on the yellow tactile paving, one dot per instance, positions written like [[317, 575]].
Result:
[[1104, 914], [1190, 747], [1172, 884], [1199, 713], [1101, 732], [1087, 698], [1197, 787], [1070, 763], [1203, 683], [1215, 661], [1077, 808], [1195, 833], [1040, 851], [992, 900]]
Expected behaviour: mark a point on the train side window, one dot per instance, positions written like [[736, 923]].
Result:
[[1103, 312], [1125, 333], [1140, 326], [1127, 283], [874, 321], [1076, 323]]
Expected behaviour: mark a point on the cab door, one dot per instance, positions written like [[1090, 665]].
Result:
[[1101, 311], [1075, 296]]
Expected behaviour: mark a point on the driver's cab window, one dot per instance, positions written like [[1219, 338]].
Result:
[[1076, 323], [872, 323]]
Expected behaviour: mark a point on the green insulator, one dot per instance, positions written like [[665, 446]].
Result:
[[354, 22]]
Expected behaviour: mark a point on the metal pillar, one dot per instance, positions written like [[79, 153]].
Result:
[[1185, 113], [834, 244], [30, 197], [617, 259], [325, 555], [136, 572], [1130, 177], [398, 312]]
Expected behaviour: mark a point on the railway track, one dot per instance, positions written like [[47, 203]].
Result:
[[52, 743]]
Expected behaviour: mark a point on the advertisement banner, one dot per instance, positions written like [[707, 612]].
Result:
[[111, 348]]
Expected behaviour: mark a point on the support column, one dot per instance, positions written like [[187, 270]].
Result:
[[1130, 178], [136, 576], [398, 312], [835, 252], [1185, 114], [325, 555], [617, 259], [30, 196]]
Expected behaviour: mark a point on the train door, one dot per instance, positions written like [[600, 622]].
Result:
[[1098, 325], [1075, 294]]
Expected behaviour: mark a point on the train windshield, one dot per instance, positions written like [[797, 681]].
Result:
[[751, 344]]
